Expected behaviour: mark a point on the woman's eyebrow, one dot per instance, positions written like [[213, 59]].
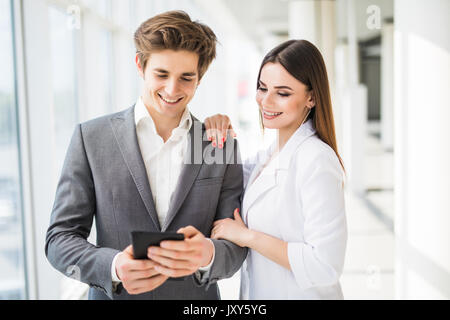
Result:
[[277, 87], [283, 87]]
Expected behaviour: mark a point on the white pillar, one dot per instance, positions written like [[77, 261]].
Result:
[[354, 115], [303, 20], [328, 37], [341, 85], [422, 148], [315, 21], [387, 85], [353, 102]]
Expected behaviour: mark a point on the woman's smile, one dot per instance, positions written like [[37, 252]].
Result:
[[271, 115]]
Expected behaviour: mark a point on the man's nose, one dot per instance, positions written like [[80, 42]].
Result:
[[171, 87]]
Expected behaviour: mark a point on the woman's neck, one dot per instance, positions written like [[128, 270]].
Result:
[[283, 136]]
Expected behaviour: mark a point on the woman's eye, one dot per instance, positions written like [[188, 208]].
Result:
[[284, 94], [262, 89], [186, 79]]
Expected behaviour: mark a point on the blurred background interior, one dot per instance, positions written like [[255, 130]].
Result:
[[66, 61]]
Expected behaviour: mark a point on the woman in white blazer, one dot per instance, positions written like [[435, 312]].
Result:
[[293, 212]]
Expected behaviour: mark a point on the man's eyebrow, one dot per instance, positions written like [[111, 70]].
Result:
[[185, 74], [277, 87], [160, 70]]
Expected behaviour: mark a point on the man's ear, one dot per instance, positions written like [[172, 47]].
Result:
[[139, 66]]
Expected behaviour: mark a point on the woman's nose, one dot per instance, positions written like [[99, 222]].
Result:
[[267, 100]]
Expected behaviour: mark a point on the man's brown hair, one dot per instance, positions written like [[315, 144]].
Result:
[[176, 31]]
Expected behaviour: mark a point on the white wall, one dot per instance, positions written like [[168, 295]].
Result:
[[422, 148]]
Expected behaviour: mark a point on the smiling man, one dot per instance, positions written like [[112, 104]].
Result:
[[133, 171]]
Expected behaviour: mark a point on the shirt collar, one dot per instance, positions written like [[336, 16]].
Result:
[[282, 160], [141, 112]]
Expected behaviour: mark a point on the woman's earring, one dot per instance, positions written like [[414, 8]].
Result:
[[307, 114]]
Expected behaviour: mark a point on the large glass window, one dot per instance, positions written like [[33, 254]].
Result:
[[100, 7], [105, 64], [64, 82], [12, 257]]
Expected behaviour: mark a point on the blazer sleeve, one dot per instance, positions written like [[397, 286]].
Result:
[[319, 260], [228, 256], [66, 246]]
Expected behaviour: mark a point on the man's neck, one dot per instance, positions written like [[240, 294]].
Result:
[[164, 125]]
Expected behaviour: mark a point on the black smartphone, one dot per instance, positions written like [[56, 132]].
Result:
[[141, 240]]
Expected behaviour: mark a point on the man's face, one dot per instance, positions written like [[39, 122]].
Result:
[[170, 81]]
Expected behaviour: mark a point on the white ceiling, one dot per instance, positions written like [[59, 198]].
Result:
[[261, 18]]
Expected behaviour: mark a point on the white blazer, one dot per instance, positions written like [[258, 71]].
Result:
[[298, 198]]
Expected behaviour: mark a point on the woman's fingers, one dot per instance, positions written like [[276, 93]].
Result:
[[208, 128], [237, 216], [215, 223], [215, 233], [217, 128], [214, 126], [226, 127], [232, 132]]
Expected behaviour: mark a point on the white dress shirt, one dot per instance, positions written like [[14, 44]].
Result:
[[163, 161], [298, 198]]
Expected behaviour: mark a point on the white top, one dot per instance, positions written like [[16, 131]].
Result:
[[299, 198]]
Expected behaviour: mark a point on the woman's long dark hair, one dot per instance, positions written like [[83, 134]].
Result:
[[305, 63]]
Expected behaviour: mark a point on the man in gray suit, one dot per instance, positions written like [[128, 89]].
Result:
[[148, 168]]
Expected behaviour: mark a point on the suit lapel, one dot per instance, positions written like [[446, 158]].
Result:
[[124, 128], [189, 172]]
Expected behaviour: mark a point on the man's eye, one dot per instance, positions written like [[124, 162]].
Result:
[[162, 76], [186, 79]]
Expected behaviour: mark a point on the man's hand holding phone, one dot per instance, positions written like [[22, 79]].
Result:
[[182, 258], [138, 276]]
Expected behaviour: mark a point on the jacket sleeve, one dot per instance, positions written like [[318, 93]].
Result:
[[319, 260], [66, 247], [228, 256]]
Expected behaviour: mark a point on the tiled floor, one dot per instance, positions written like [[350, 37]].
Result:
[[369, 264]]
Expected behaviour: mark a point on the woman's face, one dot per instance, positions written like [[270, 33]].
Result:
[[282, 99]]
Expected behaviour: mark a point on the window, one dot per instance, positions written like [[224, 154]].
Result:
[[100, 7], [64, 82], [105, 71], [12, 259]]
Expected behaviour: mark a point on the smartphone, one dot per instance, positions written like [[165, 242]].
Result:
[[141, 240]]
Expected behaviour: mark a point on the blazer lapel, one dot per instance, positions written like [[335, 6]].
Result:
[[262, 184], [259, 185], [124, 129], [189, 172]]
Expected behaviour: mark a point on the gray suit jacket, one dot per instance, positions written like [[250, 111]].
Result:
[[104, 177]]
